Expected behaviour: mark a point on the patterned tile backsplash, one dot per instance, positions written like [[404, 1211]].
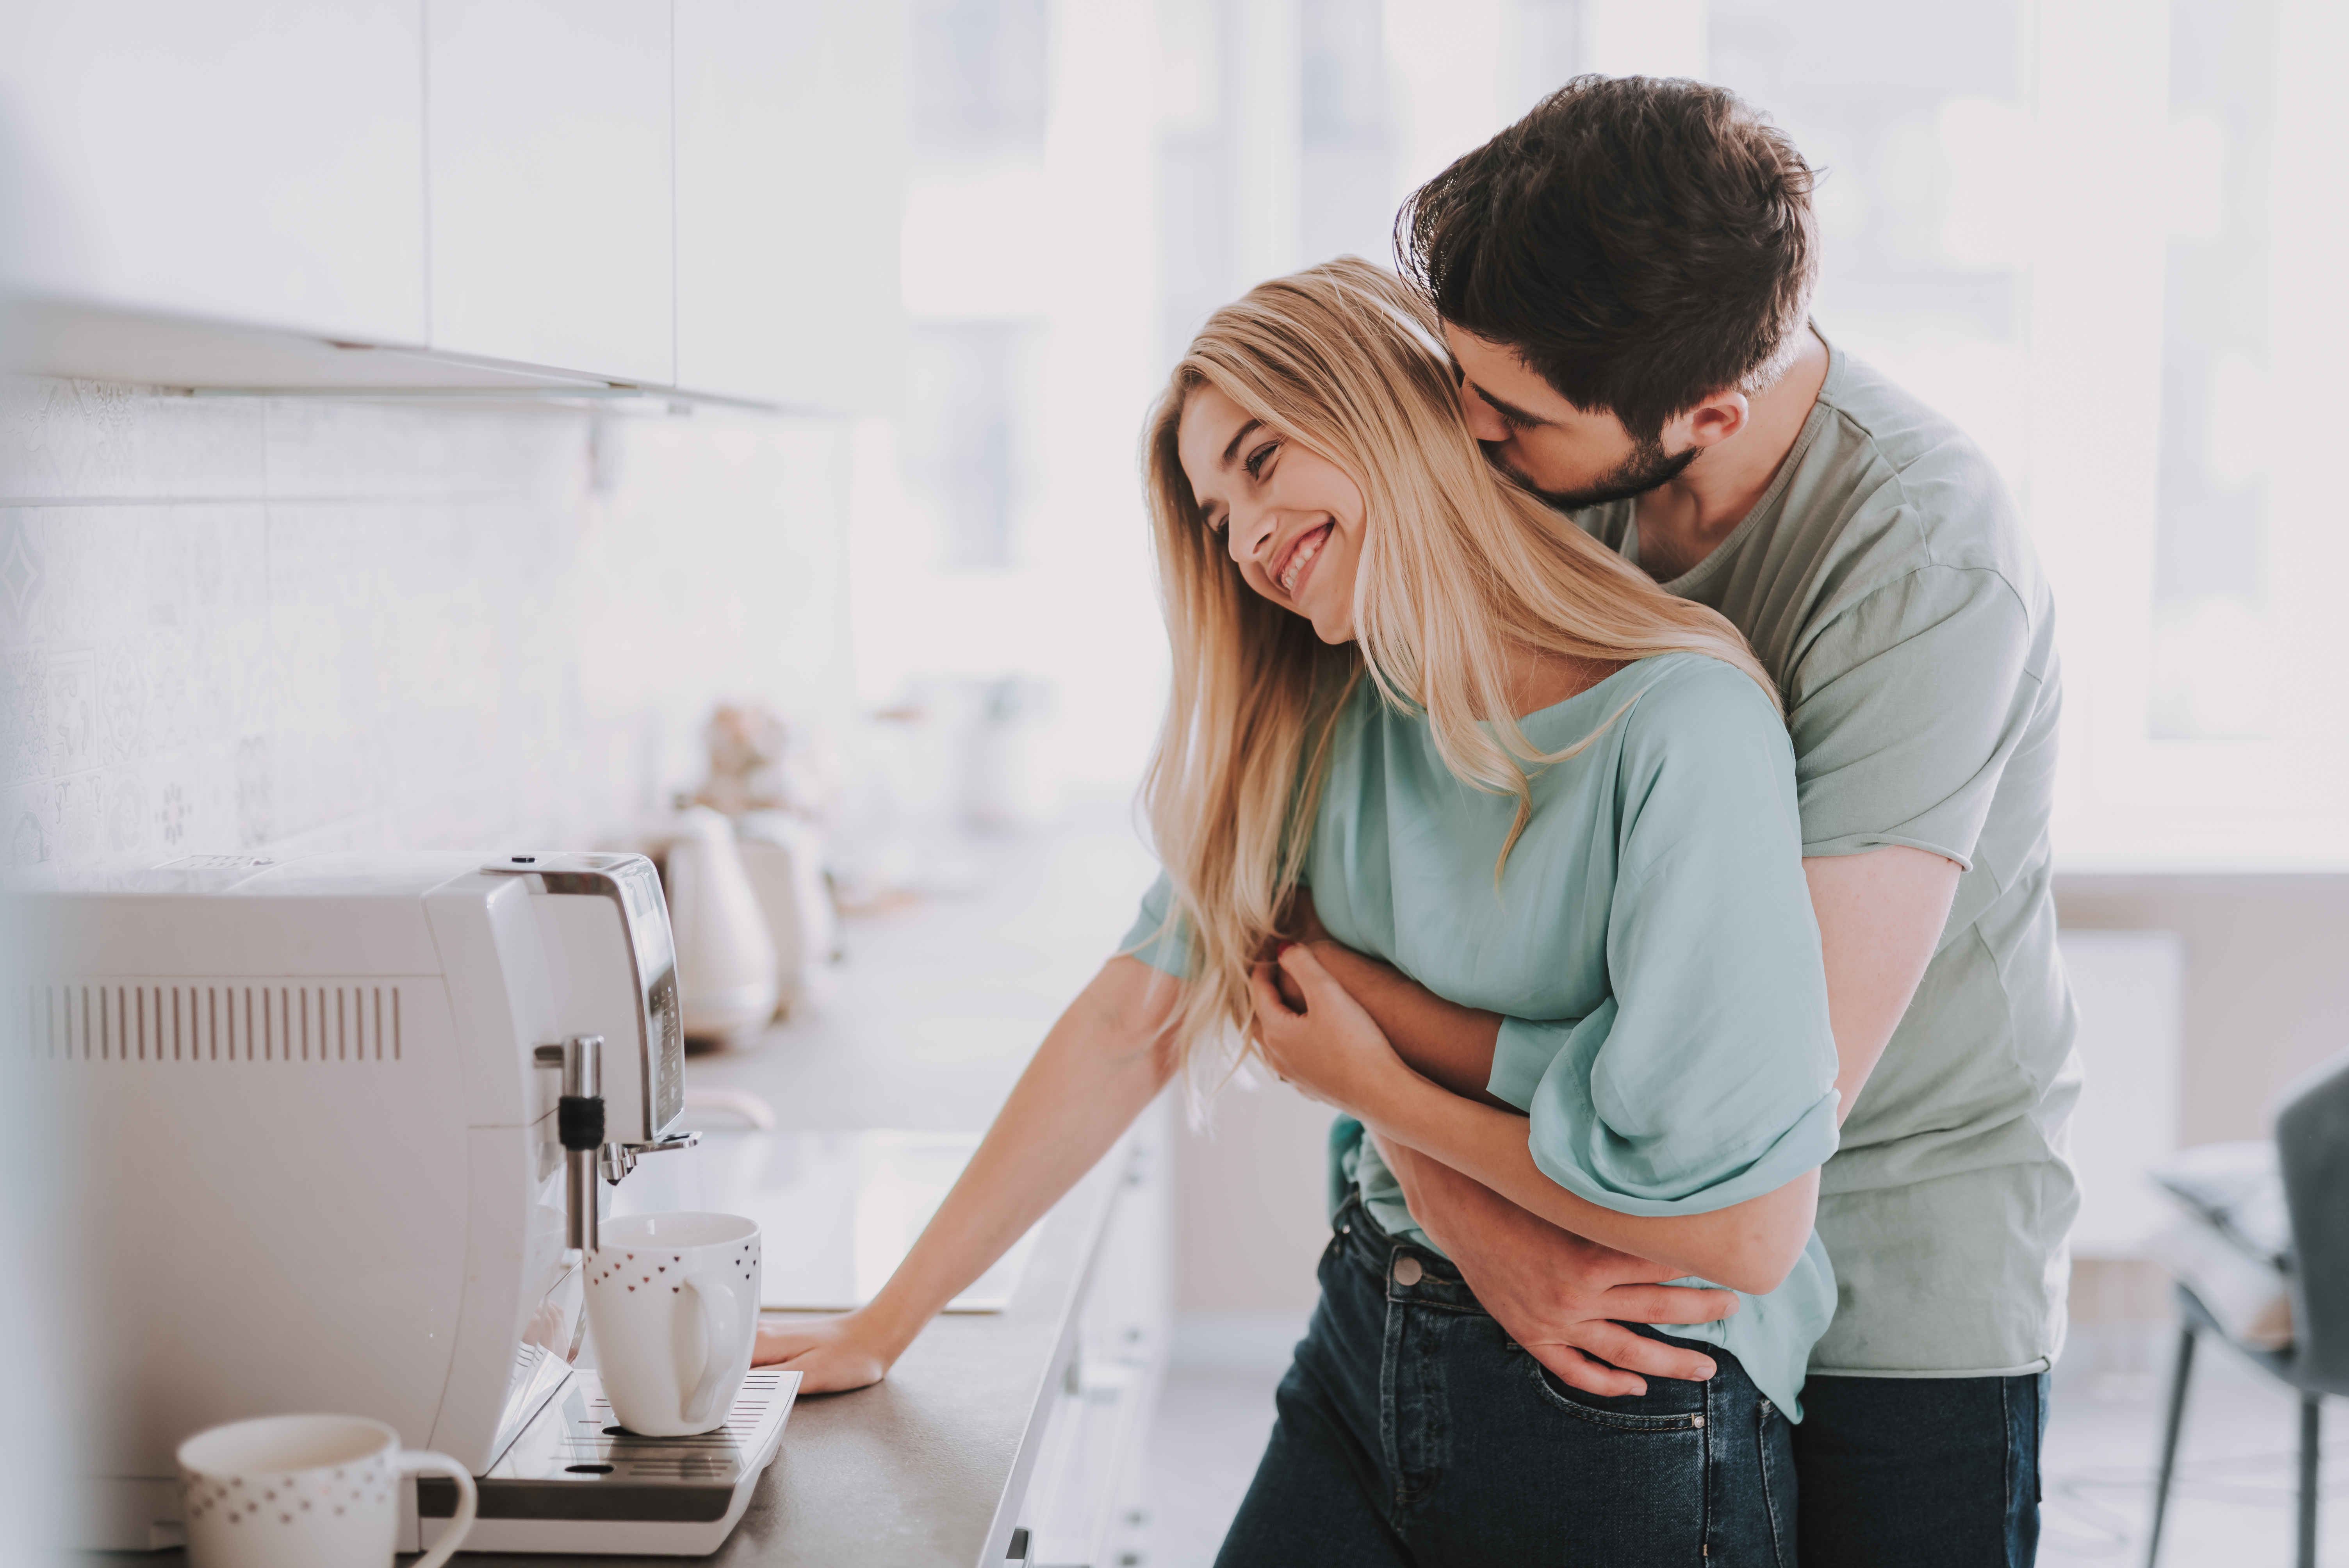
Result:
[[235, 623]]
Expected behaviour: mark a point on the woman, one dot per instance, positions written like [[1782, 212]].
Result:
[[1514, 767]]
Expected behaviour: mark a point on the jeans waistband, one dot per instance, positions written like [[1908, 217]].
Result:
[[1407, 1272]]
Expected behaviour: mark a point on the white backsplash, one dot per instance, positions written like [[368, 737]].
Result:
[[280, 624]]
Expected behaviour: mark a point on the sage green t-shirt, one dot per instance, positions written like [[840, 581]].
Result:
[[1650, 945], [1887, 583]]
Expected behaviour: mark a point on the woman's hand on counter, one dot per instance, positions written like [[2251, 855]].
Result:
[[833, 1355], [1104, 1060]]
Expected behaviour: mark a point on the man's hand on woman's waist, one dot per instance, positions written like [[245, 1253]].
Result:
[[1563, 1298]]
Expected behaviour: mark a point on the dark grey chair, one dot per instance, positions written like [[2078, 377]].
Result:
[[2312, 1151]]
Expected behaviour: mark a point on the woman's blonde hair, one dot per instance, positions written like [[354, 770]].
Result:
[[1462, 576]]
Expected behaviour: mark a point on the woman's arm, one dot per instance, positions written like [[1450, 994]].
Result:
[[1336, 1052], [1106, 1058]]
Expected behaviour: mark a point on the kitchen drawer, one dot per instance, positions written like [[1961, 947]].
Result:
[[1085, 1503]]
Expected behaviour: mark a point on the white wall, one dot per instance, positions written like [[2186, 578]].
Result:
[[2128, 986], [2265, 986], [1251, 1205]]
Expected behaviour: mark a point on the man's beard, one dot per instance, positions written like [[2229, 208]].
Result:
[[1648, 467]]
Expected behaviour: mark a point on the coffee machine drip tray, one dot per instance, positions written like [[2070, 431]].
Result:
[[576, 1482]]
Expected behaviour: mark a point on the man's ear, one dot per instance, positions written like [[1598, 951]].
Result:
[[1711, 421]]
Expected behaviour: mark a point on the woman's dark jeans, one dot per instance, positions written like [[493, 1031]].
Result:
[[1412, 1431]]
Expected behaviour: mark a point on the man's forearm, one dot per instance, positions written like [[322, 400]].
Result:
[[1443, 1041], [1456, 1136], [1404, 1162], [1435, 1194], [1748, 1246]]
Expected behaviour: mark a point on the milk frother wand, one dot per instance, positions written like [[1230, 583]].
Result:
[[579, 1121]]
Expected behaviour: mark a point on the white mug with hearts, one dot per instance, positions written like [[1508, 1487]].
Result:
[[306, 1491], [673, 1303]]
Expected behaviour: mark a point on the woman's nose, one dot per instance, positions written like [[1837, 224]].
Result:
[[1247, 534]]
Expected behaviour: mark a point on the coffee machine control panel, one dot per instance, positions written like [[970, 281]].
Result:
[[637, 1013]]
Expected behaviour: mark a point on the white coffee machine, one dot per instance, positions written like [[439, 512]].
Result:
[[323, 1101]]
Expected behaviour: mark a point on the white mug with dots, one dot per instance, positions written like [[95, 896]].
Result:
[[673, 1304], [306, 1491]]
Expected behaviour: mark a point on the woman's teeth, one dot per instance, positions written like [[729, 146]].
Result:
[[1303, 557]]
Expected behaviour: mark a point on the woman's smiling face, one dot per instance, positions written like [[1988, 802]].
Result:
[[1289, 516]]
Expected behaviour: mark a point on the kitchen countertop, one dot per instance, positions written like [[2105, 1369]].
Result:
[[926, 1466], [929, 1022]]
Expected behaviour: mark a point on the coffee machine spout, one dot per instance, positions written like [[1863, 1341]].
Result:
[[619, 1159]]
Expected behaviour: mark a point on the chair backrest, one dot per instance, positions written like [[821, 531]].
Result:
[[2313, 1145]]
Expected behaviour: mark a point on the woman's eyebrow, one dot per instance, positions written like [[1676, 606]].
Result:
[[1241, 434]]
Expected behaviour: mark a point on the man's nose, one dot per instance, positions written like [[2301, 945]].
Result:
[[1484, 423]]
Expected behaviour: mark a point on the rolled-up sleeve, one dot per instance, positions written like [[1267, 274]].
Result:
[[1707, 1076], [1159, 937]]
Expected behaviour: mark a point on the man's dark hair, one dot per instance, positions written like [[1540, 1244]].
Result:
[[1640, 244]]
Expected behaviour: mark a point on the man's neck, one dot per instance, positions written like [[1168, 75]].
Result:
[[1685, 520]]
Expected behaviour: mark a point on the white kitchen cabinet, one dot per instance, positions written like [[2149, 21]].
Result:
[[791, 126], [541, 196], [254, 161], [552, 196]]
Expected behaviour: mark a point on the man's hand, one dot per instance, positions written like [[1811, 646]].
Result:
[[1563, 1299]]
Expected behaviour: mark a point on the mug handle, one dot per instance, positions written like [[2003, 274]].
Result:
[[722, 1325], [418, 1461]]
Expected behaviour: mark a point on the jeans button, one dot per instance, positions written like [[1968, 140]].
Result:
[[1407, 1271]]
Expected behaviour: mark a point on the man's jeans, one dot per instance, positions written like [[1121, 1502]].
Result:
[[1921, 1473], [1411, 1431]]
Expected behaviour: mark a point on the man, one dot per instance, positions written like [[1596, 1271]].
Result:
[[1624, 276]]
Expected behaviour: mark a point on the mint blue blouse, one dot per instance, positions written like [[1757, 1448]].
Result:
[[1651, 946]]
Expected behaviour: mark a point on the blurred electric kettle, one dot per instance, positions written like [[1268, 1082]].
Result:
[[783, 855], [726, 970]]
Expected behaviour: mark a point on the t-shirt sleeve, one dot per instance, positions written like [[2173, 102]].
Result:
[[1904, 710], [1707, 1077], [1159, 941]]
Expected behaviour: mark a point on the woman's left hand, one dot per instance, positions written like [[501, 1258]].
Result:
[[1331, 1050]]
